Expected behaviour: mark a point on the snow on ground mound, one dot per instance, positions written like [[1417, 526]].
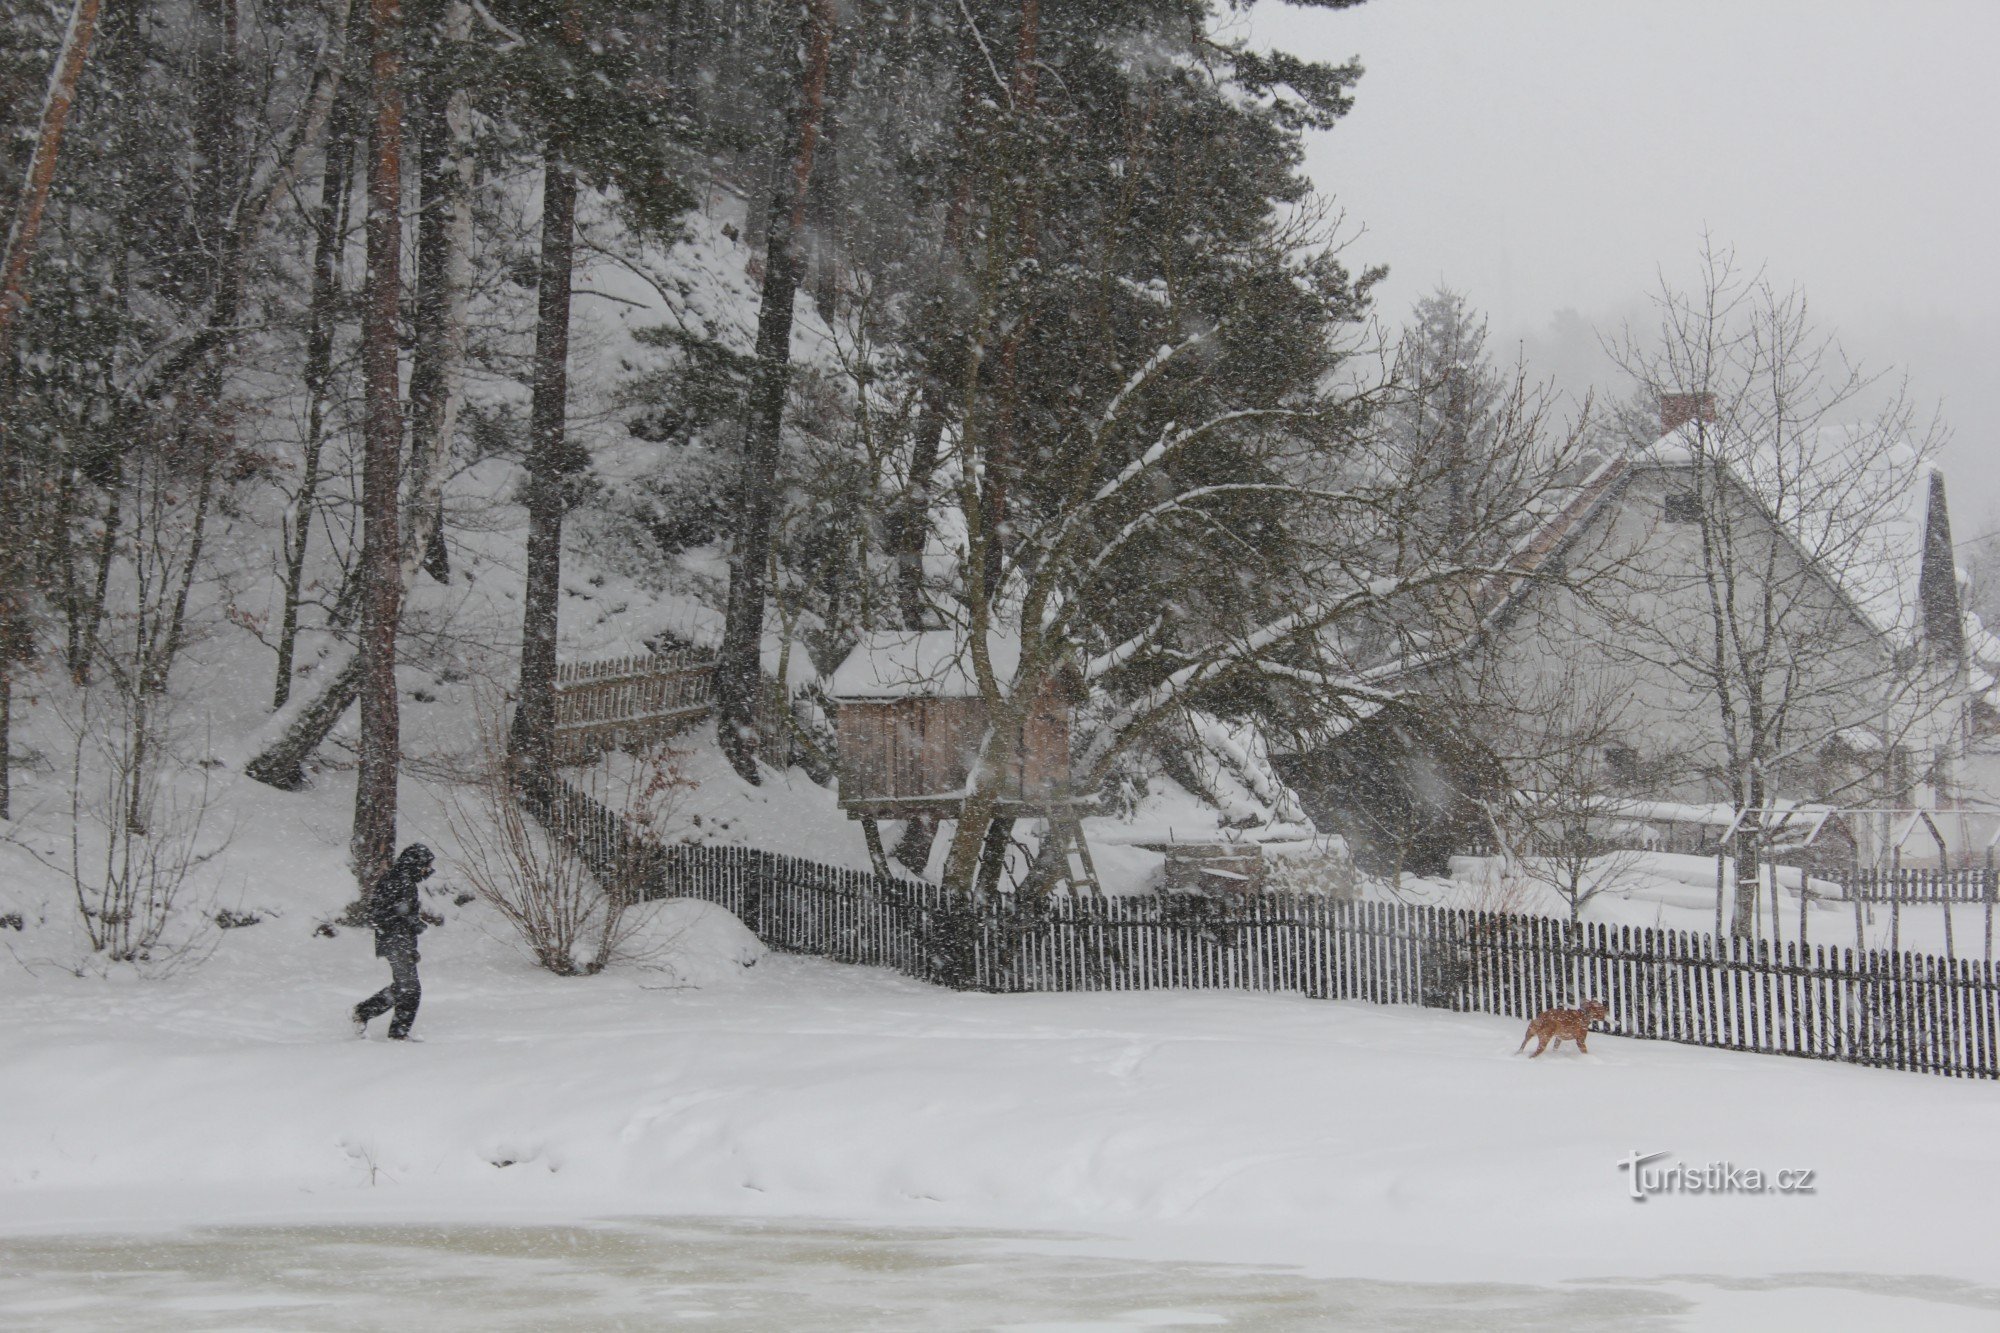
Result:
[[709, 804], [696, 942]]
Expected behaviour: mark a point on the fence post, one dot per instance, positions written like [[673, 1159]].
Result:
[[1946, 898], [1987, 892]]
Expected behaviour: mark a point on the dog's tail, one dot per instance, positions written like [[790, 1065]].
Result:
[[1530, 1036]]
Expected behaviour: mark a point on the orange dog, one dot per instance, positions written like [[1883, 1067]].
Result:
[[1557, 1025]]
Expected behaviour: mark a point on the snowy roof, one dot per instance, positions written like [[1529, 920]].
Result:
[[1856, 507], [937, 664], [1982, 653], [1563, 517]]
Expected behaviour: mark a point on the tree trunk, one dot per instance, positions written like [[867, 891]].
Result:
[[107, 547], [282, 763], [330, 233], [913, 847], [1749, 870], [374, 838], [27, 217], [968, 840], [25, 226], [1002, 459], [444, 248], [737, 673], [993, 854], [909, 531], [909, 528], [532, 741]]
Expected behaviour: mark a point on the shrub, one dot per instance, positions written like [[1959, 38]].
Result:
[[573, 913]]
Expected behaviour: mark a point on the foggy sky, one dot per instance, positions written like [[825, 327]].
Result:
[[1553, 159]]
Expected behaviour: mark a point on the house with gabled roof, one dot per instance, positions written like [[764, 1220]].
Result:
[[1820, 566]]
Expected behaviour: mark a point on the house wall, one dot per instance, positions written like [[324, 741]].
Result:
[[1622, 658]]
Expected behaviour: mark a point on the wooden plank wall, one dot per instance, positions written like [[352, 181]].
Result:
[[923, 747]]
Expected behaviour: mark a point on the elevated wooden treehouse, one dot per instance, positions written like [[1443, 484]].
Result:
[[910, 720]]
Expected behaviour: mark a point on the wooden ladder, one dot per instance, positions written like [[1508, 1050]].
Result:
[[1081, 877]]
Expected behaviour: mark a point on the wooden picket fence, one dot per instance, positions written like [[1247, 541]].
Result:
[[1966, 884], [629, 700], [621, 702], [1895, 1010]]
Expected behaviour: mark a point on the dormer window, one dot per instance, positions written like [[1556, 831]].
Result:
[[1683, 507]]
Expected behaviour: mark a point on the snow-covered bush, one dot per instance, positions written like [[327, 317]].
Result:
[[696, 943]]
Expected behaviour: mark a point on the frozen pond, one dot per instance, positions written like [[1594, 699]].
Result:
[[800, 1278]]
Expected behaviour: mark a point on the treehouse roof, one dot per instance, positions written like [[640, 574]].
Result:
[[925, 664]]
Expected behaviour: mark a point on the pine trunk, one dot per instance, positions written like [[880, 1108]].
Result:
[[1002, 456], [442, 286], [909, 529], [25, 226], [534, 710], [444, 245], [27, 216], [737, 677], [329, 237], [374, 837]]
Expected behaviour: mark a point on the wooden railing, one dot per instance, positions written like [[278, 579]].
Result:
[[625, 701], [629, 700]]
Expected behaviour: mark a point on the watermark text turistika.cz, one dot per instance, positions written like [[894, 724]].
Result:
[[1643, 1180]]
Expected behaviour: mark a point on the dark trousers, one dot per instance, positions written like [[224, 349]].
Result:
[[402, 993]]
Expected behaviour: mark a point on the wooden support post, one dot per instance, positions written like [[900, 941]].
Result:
[[1805, 901], [1083, 856], [871, 834], [1721, 852], [1991, 882]]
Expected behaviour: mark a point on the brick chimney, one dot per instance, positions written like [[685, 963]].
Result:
[[1677, 409]]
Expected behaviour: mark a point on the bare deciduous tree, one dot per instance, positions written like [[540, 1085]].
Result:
[[1769, 591]]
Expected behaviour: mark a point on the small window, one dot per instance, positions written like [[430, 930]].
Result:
[[1683, 507]]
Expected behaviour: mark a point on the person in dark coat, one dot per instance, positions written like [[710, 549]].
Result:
[[396, 914]]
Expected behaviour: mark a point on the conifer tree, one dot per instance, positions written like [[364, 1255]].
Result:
[[382, 456], [738, 677]]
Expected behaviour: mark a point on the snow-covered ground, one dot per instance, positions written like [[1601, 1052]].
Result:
[[1158, 1134], [1054, 1161], [1344, 1139]]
